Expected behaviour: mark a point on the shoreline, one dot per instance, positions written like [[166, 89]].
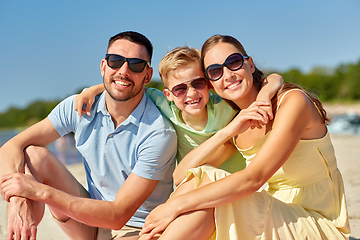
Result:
[[336, 109]]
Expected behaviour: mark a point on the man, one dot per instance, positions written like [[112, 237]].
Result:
[[128, 148]]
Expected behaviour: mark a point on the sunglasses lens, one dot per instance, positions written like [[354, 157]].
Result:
[[214, 72], [234, 62], [115, 61], [179, 90], [136, 65], [199, 83]]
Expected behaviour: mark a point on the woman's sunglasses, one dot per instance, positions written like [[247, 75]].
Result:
[[180, 89], [136, 65], [233, 62]]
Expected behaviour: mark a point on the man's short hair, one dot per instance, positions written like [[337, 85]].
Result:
[[134, 37]]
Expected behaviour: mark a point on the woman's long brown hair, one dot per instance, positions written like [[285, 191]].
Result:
[[258, 76]]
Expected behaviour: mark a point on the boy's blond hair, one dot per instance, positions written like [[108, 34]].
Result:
[[177, 58]]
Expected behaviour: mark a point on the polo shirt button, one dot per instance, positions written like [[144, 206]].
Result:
[[110, 135]]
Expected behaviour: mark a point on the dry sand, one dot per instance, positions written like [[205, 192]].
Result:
[[347, 150]]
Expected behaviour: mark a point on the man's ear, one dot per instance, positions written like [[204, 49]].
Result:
[[168, 94], [148, 76], [102, 67]]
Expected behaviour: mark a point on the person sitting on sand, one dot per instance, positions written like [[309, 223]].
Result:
[[293, 153], [129, 152]]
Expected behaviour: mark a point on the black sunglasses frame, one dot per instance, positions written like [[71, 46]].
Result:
[[187, 86], [225, 64], [129, 61]]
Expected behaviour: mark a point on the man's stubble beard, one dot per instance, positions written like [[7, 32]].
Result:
[[129, 96]]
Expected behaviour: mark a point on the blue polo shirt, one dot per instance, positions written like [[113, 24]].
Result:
[[144, 144]]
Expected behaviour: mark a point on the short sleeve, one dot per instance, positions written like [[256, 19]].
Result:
[[161, 102], [156, 155], [64, 117]]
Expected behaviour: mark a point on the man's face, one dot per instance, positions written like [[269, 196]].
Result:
[[122, 84]]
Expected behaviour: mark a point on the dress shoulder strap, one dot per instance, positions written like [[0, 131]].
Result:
[[234, 142], [296, 89]]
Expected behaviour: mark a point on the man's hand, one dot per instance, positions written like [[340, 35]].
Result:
[[21, 223], [19, 184]]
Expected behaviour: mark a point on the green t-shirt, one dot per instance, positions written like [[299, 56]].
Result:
[[220, 113]]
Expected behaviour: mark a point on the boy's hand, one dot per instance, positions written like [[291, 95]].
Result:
[[87, 98], [269, 88], [267, 108]]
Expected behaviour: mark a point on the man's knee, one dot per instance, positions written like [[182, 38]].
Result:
[[35, 154], [38, 160]]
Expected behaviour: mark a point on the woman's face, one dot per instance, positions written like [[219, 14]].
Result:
[[233, 85]]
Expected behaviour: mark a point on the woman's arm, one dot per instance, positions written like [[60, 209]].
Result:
[[87, 97], [216, 150], [291, 121]]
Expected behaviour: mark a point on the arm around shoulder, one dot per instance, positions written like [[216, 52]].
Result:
[[87, 97]]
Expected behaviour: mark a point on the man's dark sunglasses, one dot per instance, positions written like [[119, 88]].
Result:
[[182, 88], [136, 65], [233, 62]]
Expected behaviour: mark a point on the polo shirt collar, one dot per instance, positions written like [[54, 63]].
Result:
[[134, 117]]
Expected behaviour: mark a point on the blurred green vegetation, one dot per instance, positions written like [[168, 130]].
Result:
[[341, 84]]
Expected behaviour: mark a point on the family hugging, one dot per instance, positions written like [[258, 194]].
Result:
[[168, 165]]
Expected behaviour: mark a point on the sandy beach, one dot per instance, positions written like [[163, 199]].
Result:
[[347, 148]]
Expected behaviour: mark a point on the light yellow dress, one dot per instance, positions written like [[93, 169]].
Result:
[[305, 198]]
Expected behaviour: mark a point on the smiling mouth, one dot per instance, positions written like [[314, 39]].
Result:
[[233, 85], [193, 101], [121, 83]]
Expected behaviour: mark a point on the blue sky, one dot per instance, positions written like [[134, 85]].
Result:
[[51, 49]]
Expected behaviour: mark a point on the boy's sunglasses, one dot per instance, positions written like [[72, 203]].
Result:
[[233, 62], [180, 89], [136, 65]]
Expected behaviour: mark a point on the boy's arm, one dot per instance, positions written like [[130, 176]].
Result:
[[269, 88], [87, 97]]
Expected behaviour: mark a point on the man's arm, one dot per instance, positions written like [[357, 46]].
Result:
[[100, 213], [106, 214], [21, 218]]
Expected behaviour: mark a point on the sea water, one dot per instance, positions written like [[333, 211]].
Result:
[[63, 148]]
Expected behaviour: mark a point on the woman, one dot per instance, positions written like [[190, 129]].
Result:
[[292, 153]]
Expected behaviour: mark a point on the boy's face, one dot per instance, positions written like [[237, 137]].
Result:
[[194, 100]]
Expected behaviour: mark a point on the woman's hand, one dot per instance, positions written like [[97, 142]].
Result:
[[159, 219], [251, 117]]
